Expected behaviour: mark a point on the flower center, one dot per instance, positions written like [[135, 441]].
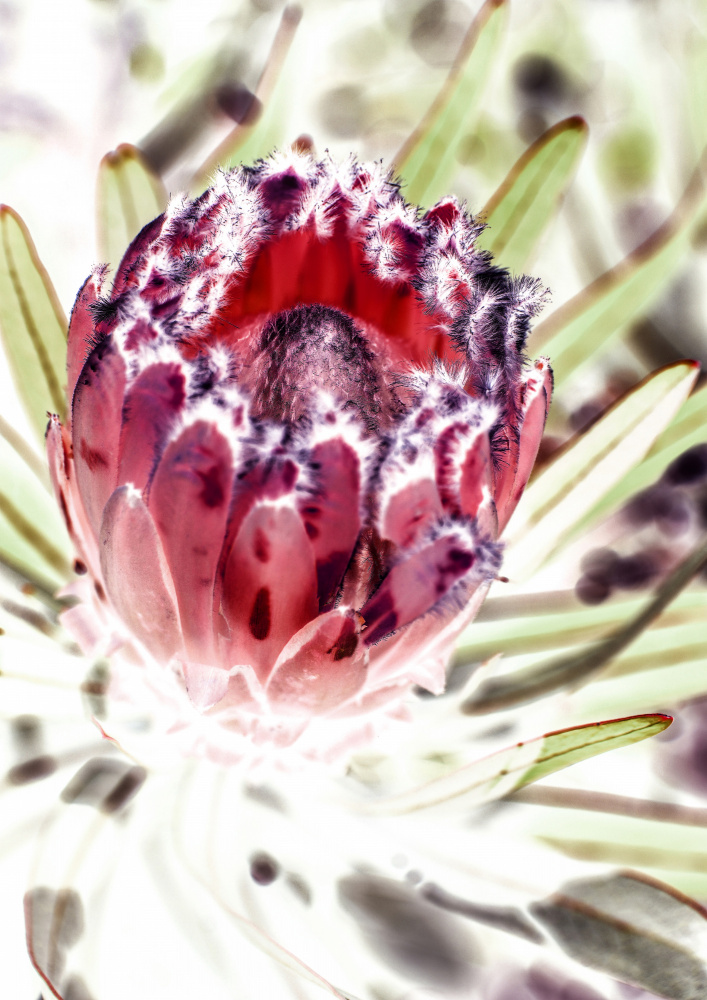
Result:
[[314, 348]]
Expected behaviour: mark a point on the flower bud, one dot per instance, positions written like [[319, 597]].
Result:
[[300, 419]]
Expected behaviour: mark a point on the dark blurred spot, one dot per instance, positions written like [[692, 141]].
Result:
[[592, 591], [531, 125], [300, 888], [437, 31], [407, 932], [635, 571], [32, 770], [146, 63], [669, 509], [29, 616], [600, 565], [79, 568], [688, 468], [26, 733], [94, 689], [628, 159], [471, 149], [238, 102], [128, 786], [265, 796], [582, 418], [540, 79], [343, 111], [104, 783], [55, 922], [264, 869], [74, 988]]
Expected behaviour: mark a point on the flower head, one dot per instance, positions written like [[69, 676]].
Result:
[[299, 421]]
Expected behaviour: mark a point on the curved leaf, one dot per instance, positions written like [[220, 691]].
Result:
[[634, 928], [687, 429], [128, 196], [583, 473], [501, 773], [577, 331], [524, 204], [575, 667], [258, 136], [32, 323], [426, 162]]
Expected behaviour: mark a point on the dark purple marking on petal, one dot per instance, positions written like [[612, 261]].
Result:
[[213, 486], [261, 547], [259, 622]]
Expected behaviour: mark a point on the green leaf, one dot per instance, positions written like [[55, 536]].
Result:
[[578, 330], [257, 137], [525, 203], [569, 489], [687, 429], [33, 539], [634, 928], [427, 161], [32, 324], [128, 196], [502, 773], [574, 667]]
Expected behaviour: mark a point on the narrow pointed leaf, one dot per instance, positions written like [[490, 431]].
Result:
[[525, 203], [592, 464], [32, 323], [578, 330], [427, 160], [33, 540], [687, 429], [574, 668], [501, 773], [128, 196], [634, 928], [262, 131]]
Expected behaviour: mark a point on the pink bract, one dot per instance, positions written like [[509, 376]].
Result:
[[300, 419]]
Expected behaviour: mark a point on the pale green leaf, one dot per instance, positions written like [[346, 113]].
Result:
[[687, 429], [32, 324], [128, 196], [502, 773], [33, 539], [574, 667], [570, 488], [634, 928], [580, 328], [524, 204], [426, 163], [259, 136]]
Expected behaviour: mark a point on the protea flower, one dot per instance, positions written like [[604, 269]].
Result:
[[300, 420]]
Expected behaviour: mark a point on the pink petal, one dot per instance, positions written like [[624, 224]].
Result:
[[269, 588], [152, 404], [63, 476], [415, 586], [538, 391], [206, 685], [464, 474], [321, 667], [332, 516], [189, 501], [95, 428], [136, 576], [419, 653], [81, 330], [408, 514]]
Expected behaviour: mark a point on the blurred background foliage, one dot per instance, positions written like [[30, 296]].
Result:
[[577, 129]]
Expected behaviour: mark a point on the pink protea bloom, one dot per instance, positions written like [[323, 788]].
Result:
[[300, 419]]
